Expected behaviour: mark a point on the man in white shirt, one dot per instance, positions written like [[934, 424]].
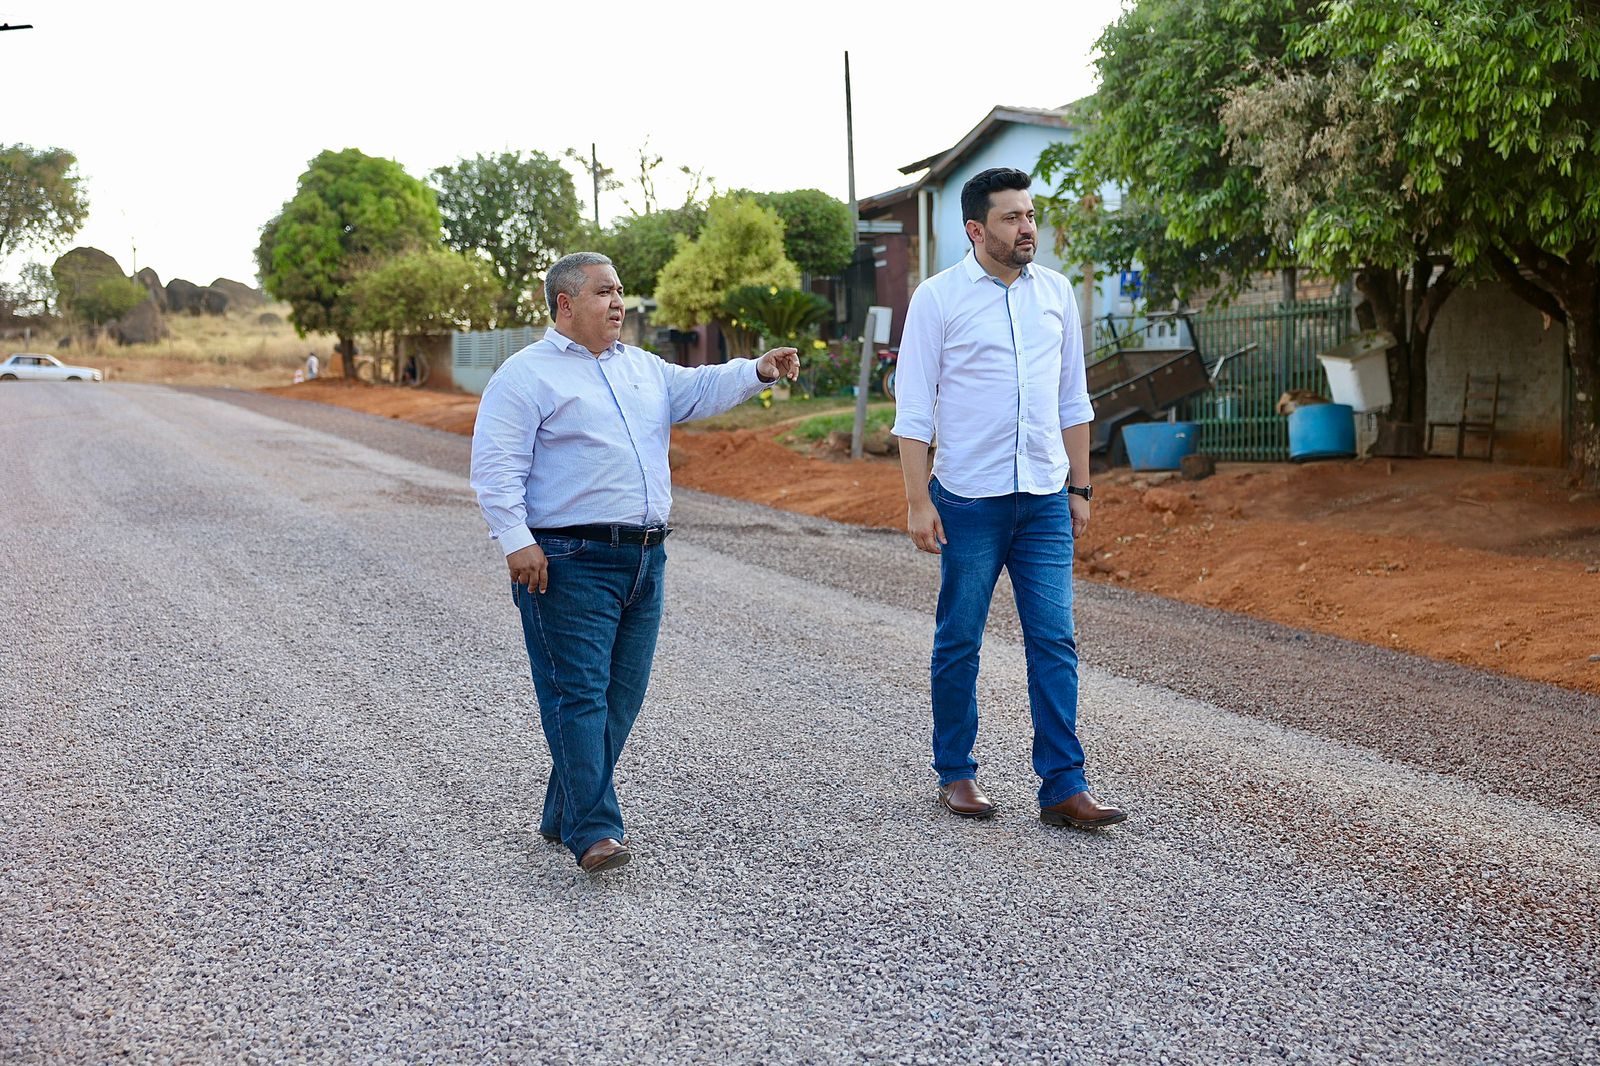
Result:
[[569, 461], [991, 363]]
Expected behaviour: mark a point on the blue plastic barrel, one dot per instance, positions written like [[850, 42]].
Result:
[[1322, 431], [1160, 445]]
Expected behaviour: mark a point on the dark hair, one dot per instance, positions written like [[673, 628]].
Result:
[[975, 193]]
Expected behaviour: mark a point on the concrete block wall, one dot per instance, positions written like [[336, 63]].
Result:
[[1484, 329]]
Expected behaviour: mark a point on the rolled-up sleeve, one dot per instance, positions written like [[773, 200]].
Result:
[[1074, 396], [703, 391], [502, 458], [916, 375]]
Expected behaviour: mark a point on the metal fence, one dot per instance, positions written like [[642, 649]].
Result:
[[474, 357], [1264, 353]]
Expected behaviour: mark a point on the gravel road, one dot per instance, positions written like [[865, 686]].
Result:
[[269, 777]]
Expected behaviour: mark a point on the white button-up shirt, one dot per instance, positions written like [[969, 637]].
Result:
[[567, 438], [996, 372]]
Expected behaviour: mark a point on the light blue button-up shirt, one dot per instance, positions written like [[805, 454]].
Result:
[[997, 371], [567, 438]]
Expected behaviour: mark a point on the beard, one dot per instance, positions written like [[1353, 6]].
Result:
[[1010, 255]]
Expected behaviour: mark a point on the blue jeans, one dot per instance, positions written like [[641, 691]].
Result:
[[1031, 536], [591, 638]]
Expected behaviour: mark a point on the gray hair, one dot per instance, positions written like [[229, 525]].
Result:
[[567, 276]]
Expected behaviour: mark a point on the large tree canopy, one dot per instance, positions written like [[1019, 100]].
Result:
[[742, 244], [42, 202], [352, 211], [1452, 138], [520, 212], [1416, 144], [818, 232], [641, 245], [1152, 138], [430, 290], [1497, 106]]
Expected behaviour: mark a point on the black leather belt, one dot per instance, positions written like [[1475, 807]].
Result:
[[613, 535]]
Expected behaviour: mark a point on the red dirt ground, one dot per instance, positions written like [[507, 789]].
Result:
[[1493, 566]]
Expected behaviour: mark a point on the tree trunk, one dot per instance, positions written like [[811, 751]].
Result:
[[347, 352], [1385, 299], [1408, 317], [1428, 295], [1569, 288], [1582, 322]]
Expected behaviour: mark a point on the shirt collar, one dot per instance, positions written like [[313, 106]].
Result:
[[564, 343], [975, 271]]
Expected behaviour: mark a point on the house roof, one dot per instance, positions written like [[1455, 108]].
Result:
[[884, 200], [940, 164]]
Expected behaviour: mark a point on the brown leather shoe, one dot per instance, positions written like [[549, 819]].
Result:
[[966, 799], [1082, 811], [604, 855]]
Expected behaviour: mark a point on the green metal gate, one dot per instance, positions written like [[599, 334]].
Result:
[[1264, 353]]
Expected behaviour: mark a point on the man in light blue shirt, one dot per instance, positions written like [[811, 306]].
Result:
[[569, 461], [991, 362]]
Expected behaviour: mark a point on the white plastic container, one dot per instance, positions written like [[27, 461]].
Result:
[[1358, 371]]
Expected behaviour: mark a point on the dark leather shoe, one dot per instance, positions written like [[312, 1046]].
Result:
[[604, 855], [966, 799], [1082, 811]]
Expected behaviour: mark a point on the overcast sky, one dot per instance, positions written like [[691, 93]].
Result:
[[192, 121]]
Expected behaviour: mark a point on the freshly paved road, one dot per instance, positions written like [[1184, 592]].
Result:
[[269, 769]]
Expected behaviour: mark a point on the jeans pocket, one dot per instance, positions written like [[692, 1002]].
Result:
[[561, 547], [945, 496]]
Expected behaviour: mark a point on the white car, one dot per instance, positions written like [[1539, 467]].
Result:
[[27, 367]]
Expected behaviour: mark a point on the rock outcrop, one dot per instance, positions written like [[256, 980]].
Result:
[[145, 324], [152, 281], [241, 297], [184, 297]]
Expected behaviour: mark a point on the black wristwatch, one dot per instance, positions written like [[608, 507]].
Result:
[[1087, 491]]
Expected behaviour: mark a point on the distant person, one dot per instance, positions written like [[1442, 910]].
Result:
[[991, 362], [569, 462], [312, 366]]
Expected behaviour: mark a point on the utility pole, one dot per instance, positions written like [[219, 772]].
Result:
[[858, 432], [594, 171]]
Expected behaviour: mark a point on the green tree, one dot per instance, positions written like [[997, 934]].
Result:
[[742, 244], [42, 201], [817, 230], [350, 212], [1339, 194], [518, 211], [1495, 111], [1153, 130], [641, 245], [1225, 126], [32, 295], [430, 290], [427, 291]]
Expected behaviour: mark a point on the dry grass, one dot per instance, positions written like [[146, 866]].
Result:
[[233, 349]]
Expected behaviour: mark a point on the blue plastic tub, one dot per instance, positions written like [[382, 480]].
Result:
[[1160, 445], [1322, 431]]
